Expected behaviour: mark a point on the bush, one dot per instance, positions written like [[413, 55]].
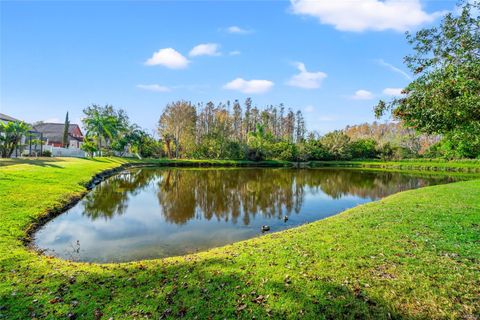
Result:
[[337, 145], [46, 153], [89, 146], [284, 151], [456, 146], [255, 154], [386, 151], [364, 149]]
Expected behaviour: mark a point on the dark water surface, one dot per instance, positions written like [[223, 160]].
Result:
[[149, 213]]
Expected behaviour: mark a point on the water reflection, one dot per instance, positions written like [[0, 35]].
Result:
[[111, 197], [152, 212], [233, 195]]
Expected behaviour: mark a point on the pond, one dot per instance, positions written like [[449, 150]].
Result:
[[146, 213]]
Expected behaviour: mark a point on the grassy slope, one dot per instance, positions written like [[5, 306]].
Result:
[[415, 254], [413, 164]]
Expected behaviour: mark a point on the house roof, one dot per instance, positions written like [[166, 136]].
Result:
[[4, 117], [54, 131]]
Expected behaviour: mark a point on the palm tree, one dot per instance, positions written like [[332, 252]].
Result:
[[10, 135]]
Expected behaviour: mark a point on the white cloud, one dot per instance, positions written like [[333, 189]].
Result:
[[234, 53], [205, 49], [249, 86], [394, 69], [168, 57], [238, 30], [361, 15], [305, 79], [392, 91], [153, 87], [362, 95], [309, 109]]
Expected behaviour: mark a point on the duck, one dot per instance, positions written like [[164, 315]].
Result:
[[265, 228], [285, 219]]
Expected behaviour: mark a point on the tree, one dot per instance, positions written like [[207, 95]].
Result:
[[444, 97], [11, 134], [178, 121], [300, 128], [89, 146], [337, 145], [65, 141], [105, 124], [237, 120], [364, 148]]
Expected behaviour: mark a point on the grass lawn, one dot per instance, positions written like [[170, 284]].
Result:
[[412, 255]]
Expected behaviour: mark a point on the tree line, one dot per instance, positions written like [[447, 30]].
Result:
[[242, 132], [229, 131]]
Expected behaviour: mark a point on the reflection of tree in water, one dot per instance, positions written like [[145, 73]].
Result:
[[228, 194], [242, 194], [111, 197], [366, 184]]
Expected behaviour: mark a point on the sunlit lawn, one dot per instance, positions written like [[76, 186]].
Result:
[[415, 254]]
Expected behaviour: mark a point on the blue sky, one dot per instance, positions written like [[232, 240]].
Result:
[[331, 59]]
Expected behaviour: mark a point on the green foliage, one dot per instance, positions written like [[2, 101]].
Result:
[[46, 153], [177, 128], [212, 147], [337, 145], [364, 149], [65, 132], [105, 125], [256, 154], [11, 134], [456, 146], [386, 151], [283, 150], [313, 149], [444, 97], [89, 146]]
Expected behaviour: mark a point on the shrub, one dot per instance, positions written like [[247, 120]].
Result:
[[364, 149], [255, 154]]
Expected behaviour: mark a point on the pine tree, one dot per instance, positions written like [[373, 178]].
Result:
[[237, 120], [65, 132], [300, 128]]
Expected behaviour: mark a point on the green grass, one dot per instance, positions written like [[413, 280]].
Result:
[[413, 164], [412, 255]]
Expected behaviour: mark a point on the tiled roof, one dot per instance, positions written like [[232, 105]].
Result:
[[4, 117], [54, 131]]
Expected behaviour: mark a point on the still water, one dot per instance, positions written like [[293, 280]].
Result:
[[146, 213]]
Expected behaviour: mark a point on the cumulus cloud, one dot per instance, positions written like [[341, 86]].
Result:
[[153, 87], [205, 49], [362, 95], [238, 30], [306, 79], [361, 15], [168, 57], [249, 86], [392, 91]]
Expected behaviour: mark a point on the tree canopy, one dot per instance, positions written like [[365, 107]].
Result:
[[444, 97]]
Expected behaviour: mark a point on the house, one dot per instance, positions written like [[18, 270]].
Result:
[[4, 118], [53, 134]]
